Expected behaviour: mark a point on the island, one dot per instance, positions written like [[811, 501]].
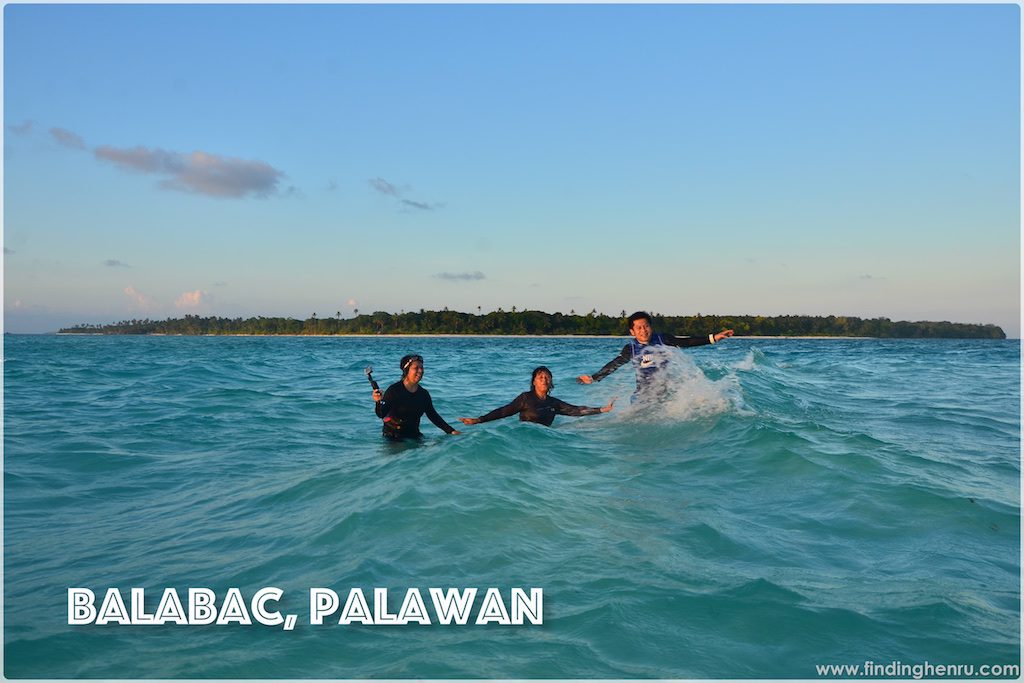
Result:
[[528, 322]]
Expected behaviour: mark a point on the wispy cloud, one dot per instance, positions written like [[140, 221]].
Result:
[[189, 300], [461, 277], [67, 139], [384, 187], [140, 299], [422, 206], [219, 284], [198, 172], [114, 263], [391, 190], [22, 129]]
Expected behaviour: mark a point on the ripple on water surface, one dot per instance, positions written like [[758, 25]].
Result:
[[786, 503]]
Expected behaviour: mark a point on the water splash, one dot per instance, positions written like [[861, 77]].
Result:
[[680, 391], [748, 363]]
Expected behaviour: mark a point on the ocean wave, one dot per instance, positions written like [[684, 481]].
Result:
[[832, 501]]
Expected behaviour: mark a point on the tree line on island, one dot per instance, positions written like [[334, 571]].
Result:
[[515, 322]]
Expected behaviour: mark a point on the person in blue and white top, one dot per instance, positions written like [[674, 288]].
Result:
[[642, 351]]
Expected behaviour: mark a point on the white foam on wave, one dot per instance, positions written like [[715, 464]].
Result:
[[680, 391], [747, 364]]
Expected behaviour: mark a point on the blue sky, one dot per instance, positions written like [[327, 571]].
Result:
[[244, 160]]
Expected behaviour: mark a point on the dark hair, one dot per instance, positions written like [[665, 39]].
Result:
[[537, 371], [407, 361], [639, 315]]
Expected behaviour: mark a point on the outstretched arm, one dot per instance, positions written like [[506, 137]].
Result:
[[610, 367], [505, 411], [671, 340], [563, 408]]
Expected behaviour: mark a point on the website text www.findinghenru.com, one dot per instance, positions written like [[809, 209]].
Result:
[[898, 669]]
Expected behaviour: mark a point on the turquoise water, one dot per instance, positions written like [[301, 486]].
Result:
[[794, 502]]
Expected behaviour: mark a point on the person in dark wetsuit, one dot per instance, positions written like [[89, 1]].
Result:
[[405, 402], [642, 350], [537, 405]]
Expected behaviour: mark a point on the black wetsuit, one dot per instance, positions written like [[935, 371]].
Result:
[[402, 409], [645, 362], [532, 408]]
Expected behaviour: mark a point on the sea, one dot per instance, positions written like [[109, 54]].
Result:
[[784, 505]]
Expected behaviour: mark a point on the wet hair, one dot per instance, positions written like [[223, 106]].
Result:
[[407, 361], [537, 371], [639, 315]]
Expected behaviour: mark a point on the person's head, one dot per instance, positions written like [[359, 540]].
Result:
[[640, 326], [412, 367], [541, 381]]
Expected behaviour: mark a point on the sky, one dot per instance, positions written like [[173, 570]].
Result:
[[286, 160]]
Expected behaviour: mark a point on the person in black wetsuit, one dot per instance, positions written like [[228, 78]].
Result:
[[642, 350], [405, 402], [537, 405]]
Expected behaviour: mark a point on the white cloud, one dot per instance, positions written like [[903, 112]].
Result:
[[190, 300], [138, 298]]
